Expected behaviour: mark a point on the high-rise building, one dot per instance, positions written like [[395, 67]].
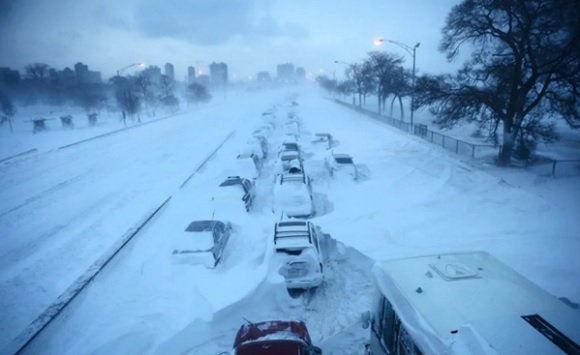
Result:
[[85, 76], [218, 73], [286, 73], [190, 75], [170, 71], [82, 72]]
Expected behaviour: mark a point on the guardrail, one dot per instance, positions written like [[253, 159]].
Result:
[[565, 167]]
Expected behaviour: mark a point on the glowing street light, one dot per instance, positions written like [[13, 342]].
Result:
[[413, 52]]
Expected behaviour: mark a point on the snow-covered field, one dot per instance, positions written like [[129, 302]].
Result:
[[61, 209]]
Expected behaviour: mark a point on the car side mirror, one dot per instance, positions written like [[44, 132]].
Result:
[[366, 319], [317, 350]]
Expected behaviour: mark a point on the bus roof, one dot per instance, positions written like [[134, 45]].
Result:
[[447, 291]]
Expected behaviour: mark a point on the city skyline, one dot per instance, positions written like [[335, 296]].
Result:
[[250, 36]]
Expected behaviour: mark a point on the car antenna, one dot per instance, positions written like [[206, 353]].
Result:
[[247, 321]]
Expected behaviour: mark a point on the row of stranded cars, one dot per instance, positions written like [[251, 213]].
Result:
[[457, 303]]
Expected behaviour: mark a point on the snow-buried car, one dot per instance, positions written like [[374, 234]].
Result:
[[274, 338]]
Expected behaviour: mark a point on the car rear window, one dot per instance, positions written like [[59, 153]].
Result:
[[278, 347], [289, 157], [290, 251]]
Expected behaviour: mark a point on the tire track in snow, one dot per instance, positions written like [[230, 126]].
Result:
[[60, 186], [334, 306], [43, 320], [26, 337], [36, 243]]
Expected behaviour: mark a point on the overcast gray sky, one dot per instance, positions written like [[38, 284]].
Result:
[[249, 35]]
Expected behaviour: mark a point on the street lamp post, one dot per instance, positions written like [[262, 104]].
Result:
[[120, 71], [413, 52]]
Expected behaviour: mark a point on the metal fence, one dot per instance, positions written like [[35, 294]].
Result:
[[545, 166], [450, 143]]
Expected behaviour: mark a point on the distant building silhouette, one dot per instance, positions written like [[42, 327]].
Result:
[[9, 76], [85, 76], [300, 74], [286, 73], [263, 76], [170, 71], [218, 73], [190, 75]]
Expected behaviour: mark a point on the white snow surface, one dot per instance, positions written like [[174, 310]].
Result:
[[60, 209]]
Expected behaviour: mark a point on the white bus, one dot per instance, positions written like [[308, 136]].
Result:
[[465, 303]]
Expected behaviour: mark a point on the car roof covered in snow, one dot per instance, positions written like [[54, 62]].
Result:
[[437, 295], [292, 233], [194, 240]]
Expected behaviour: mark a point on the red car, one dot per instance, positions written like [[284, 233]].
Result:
[[274, 338]]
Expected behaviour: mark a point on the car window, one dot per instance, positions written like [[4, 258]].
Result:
[[343, 160], [289, 157], [314, 237]]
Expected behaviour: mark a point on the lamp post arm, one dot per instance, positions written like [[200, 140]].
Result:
[[120, 71], [409, 49]]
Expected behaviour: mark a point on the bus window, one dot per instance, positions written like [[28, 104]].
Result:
[[404, 343], [387, 326]]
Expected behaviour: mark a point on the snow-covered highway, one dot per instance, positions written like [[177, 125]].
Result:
[[61, 209]]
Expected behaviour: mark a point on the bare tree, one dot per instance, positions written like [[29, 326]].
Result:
[[345, 88], [386, 68], [328, 84], [166, 89], [126, 96], [526, 63], [362, 77], [145, 87], [37, 71], [8, 110], [197, 93], [91, 97]]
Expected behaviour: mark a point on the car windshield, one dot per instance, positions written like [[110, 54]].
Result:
[[231, 182], [200, 226], [343, 160]]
